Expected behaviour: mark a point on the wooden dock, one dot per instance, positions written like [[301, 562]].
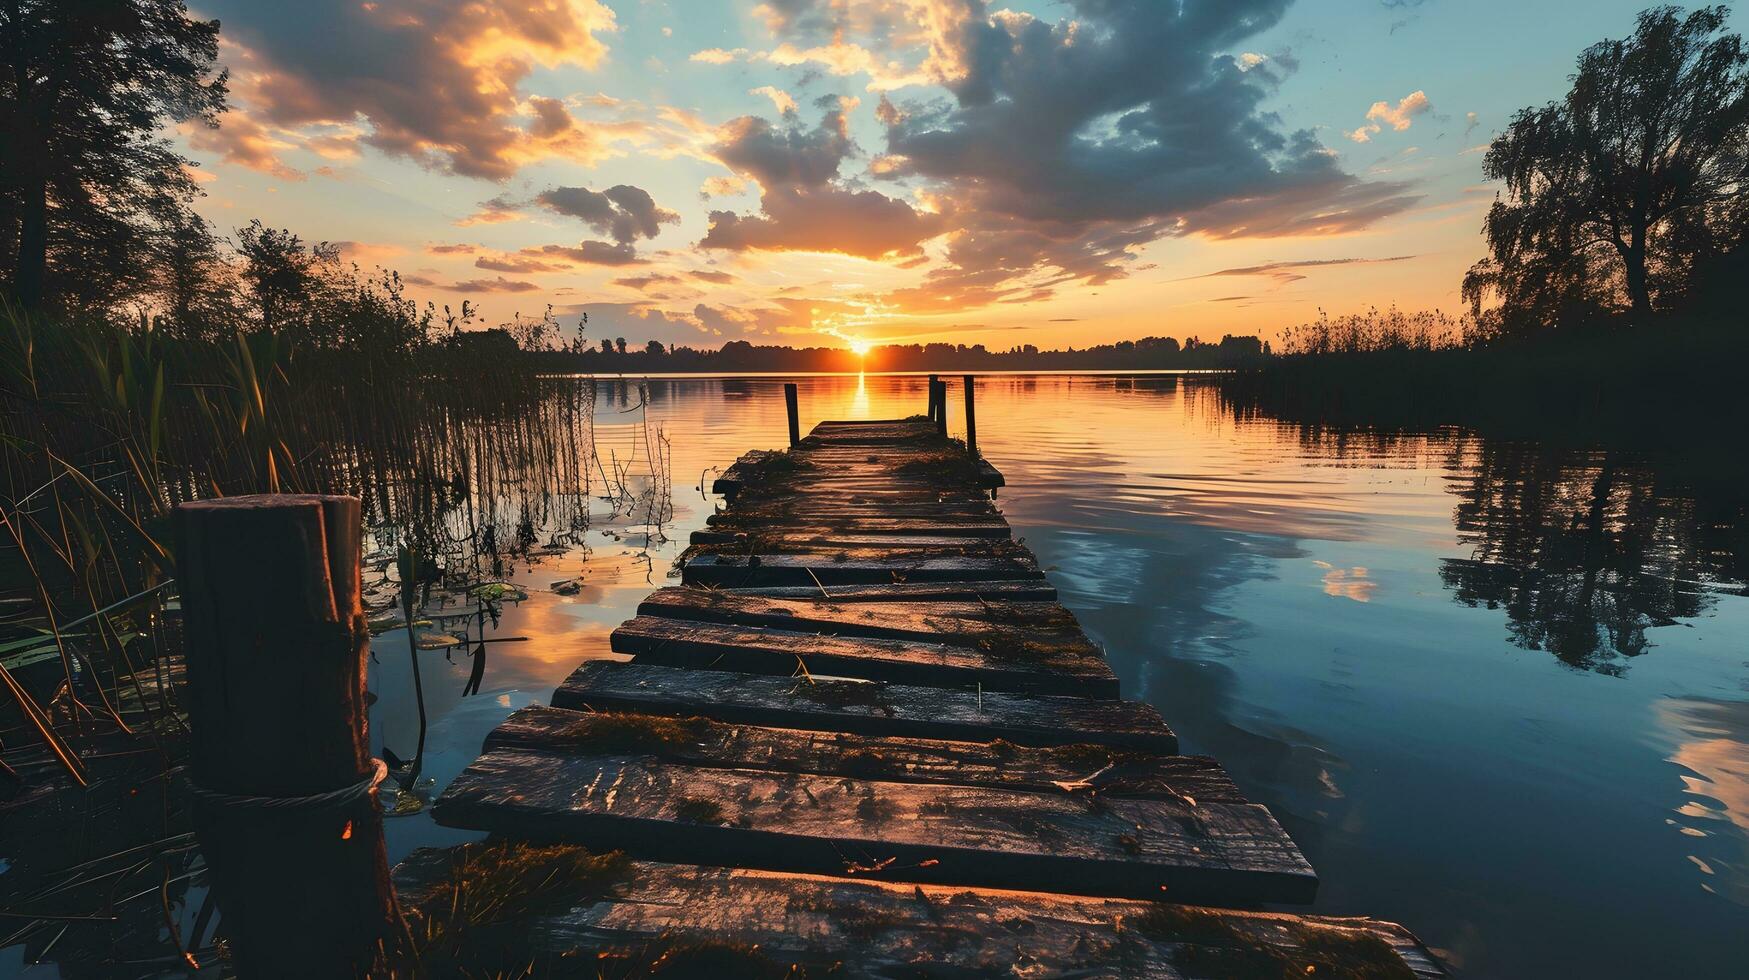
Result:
[[862, 734]]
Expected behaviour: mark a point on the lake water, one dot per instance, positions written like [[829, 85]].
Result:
[[1497, 692]]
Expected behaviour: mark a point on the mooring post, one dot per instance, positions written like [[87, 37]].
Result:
[[933, 407], [971, 420], [941, 407], [282, 780], [795, 421]]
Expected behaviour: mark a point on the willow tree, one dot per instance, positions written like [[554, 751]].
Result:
[[1614, 189], [86, 89]]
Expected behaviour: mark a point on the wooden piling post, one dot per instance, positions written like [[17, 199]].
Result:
[[933, 405], [941, 407], [971, 420], [795, 421], [283, 784]]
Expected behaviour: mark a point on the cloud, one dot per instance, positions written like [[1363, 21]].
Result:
[[717, 56], [721, 187], [240, 139], [432, 80], [784, 102], [644, 282], [1399, 117], [1287, 272], [713, 276], [587, 253], [638, 322], [622, 212], [456, 249], [802, 204], [498, 210], [515, 263], [1471, 121], [498, 284], [1070, 146]]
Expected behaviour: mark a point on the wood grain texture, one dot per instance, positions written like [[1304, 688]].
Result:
[[668, 810], [1108, 771], [864, 707], [867, 929]]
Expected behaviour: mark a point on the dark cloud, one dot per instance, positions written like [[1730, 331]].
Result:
[[789, 155], [458, 249], [550, 117], [622, 212], [711, 275], [1078, 142], [515, 263], [433, 80], [803, 206]]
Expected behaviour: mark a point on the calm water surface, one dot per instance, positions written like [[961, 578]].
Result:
[[1497, 692]]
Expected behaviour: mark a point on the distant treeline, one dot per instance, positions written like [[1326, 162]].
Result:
[[1148, 353]]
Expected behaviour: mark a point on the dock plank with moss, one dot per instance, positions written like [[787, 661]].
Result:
[[863, 734]]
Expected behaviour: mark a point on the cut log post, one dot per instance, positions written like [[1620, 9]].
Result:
[[933, 406], [795, 421], [941, 407], [285, 804], [971, 420]]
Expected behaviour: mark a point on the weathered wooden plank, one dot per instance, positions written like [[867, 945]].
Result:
[[741, 571], [854, 544], [864, 707], [1031, 590], [857, 538], [665, 810], [796, 509], [993, 626], [1105, 770], [1027, 665], [769, 923]]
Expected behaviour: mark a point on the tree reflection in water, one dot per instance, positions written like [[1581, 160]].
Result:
[[1584, 552]]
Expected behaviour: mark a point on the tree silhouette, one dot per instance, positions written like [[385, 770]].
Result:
[[1614, 190], [85, 88], [284, 276]]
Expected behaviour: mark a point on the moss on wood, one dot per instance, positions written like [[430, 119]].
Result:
[[1209, 944]]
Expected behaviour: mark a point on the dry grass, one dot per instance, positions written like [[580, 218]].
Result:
[[472, 922], [614, 732]]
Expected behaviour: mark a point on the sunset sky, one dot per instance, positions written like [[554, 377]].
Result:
[[832, 172]]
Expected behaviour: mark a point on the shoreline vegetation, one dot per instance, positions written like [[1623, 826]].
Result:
[[145, 360]]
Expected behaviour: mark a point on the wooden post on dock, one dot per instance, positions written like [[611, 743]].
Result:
[[941, 407], [971, 420], [795, 421], [933, 406], [283, 784]]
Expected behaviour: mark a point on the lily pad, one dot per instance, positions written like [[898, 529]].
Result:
[[497, 592], [433, 640]]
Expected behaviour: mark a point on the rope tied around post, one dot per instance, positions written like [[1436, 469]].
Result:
[[338, 800]]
